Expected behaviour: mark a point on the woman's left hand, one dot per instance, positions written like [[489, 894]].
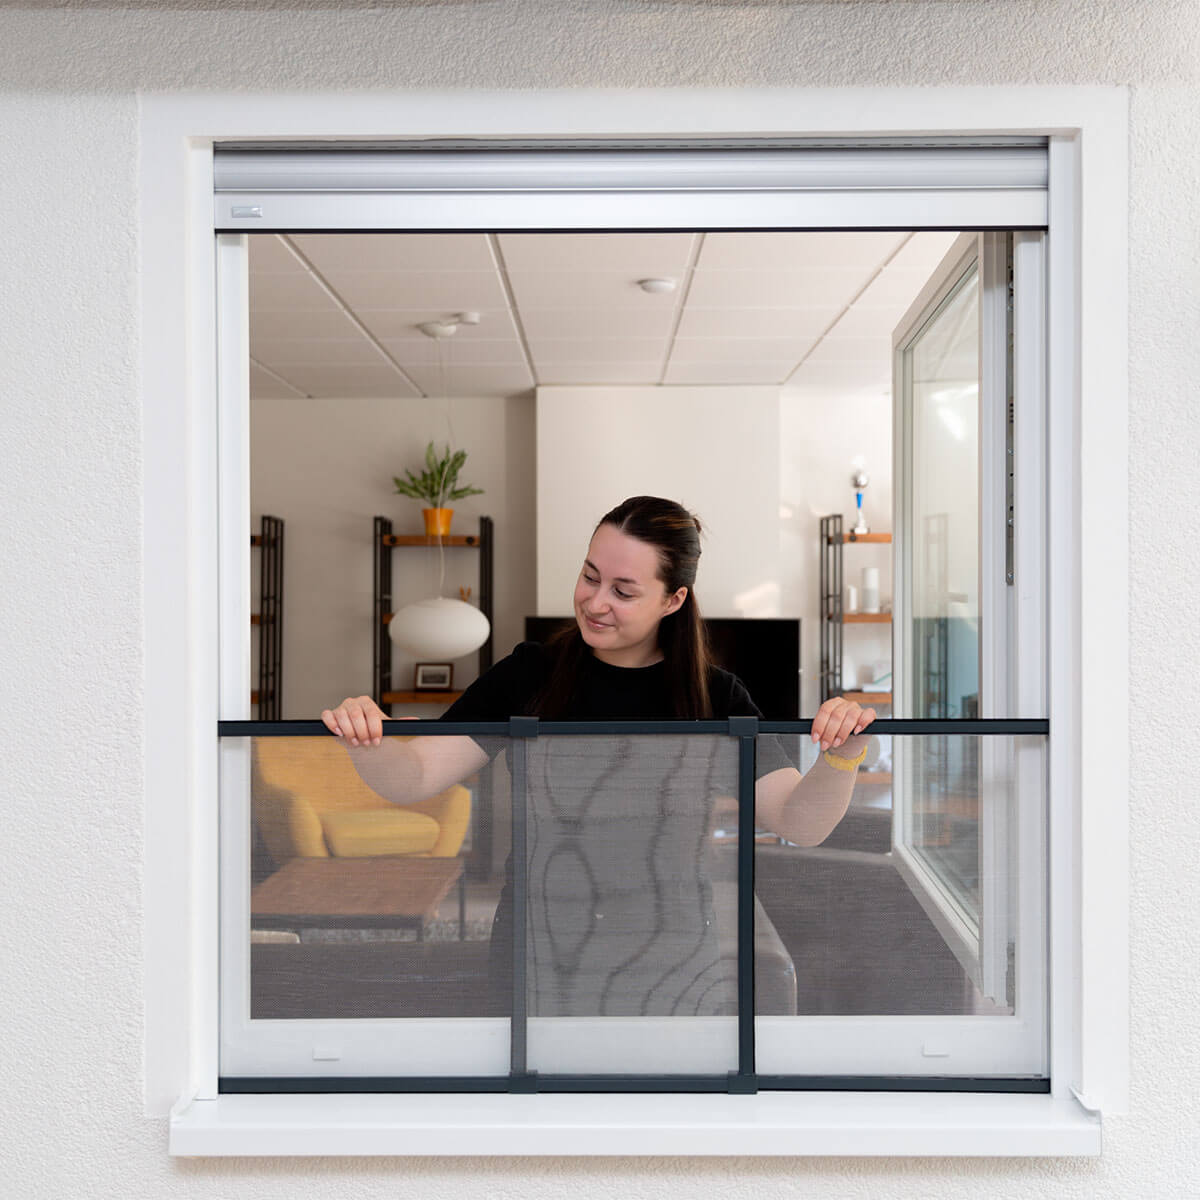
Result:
[[838, 722]]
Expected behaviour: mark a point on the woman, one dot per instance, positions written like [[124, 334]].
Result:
[[620, 916]]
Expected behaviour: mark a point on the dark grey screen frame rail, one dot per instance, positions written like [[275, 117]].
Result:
[[745, 1080]]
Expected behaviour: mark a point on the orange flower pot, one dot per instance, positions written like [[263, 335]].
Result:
[[437, 521]]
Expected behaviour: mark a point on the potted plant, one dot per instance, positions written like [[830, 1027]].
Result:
[[436, 485]]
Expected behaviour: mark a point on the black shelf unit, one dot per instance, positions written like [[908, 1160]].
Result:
[[385, 541], [833, 618], [269, 618], [830, 608]]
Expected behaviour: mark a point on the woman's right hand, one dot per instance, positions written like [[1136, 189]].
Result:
[[358, 719]]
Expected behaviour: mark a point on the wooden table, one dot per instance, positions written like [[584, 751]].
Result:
[[357, 893]]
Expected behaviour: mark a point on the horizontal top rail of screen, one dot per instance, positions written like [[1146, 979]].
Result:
[[635, 187], [984, 727], [630, 169]]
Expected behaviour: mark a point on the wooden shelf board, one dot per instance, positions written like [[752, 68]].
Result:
[[423, 539], [883, 618], [873, 777], [877, 538], [420, 697], [869, 697]]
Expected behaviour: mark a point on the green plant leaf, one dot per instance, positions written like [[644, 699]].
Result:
[[436, 484]]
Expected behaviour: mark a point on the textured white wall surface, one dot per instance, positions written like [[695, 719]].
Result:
[[71, 493]]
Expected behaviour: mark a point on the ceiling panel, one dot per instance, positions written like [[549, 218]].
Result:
[[923, 251], [402, 324], [316, 352], [740, 349], [286, 292], [851, 350], [776, 251], [458, 353], [636, 255], [756, 306], [584, 373], [859, 322], [894, 289], [396, 251], [586, 289], [496, 380], [336, 382], [799, 324], [264, 385], [331, 323], [728, 372], [832, 289], [452, 291], [598, 350], [268, 253], [545, 323]]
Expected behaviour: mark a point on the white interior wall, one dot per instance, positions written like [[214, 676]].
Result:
[[74, 578], [701, 446], [326, 468], [820, 437]]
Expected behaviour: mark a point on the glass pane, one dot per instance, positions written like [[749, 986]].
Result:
[[943, 371], [362, 908], [852, 927], [631, 939]]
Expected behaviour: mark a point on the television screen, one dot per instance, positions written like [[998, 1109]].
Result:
[[764, 653]]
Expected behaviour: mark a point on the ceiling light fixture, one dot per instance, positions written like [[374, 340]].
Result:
[[448, 327], [657, 286]]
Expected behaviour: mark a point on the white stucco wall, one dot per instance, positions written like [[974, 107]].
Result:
[[71, 665]]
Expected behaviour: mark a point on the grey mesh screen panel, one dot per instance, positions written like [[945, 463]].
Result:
[[630, 905], [605, 945]]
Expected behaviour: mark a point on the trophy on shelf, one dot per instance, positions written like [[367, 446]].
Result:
[[859, 481]]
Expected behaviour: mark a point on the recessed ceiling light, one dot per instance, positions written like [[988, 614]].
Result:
[[657, 286]]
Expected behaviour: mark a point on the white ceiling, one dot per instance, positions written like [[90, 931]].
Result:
[[337, 315]]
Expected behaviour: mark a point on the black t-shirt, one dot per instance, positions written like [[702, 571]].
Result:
[[605, 693], [620, 917]]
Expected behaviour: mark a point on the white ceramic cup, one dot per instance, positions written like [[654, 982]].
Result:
[[851, 603]]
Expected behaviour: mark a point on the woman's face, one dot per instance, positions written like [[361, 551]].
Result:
[[619, 599]]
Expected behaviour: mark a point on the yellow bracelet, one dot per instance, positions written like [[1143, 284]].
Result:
[[844, 764]]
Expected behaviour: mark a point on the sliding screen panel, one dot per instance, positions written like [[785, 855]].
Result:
[[885, 984], [630, 899], [353, 943]]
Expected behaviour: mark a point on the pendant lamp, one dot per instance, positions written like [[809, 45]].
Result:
[[440, 629]]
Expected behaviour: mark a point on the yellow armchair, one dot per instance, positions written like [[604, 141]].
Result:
[[310, 802]]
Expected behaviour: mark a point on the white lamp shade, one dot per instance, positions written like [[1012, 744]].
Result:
[[439, 629]]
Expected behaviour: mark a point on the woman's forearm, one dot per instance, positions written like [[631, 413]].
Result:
[[819, 801], [393, 769]]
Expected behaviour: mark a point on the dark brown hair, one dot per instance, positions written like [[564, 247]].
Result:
[[675, 535]]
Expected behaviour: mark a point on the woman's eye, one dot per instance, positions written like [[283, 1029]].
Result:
[[588, 579], [623, 595]]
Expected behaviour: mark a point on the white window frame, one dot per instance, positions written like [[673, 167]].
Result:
[[1088, 638]]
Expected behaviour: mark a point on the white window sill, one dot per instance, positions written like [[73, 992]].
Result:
[[770, 1123]]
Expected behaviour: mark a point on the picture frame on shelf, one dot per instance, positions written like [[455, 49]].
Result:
[[433, 677]]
